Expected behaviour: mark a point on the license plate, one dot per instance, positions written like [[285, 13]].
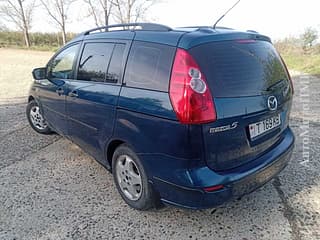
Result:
[[266, 125]]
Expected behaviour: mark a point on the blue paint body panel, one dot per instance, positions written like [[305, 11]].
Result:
[[147, 101], [195, 38], [180, 160], [91, 115], [168, 38]]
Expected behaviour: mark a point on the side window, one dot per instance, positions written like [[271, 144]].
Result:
[[149, 66], [114, 71], [94, 61], [62, 65]]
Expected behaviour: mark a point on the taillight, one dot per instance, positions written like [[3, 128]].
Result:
[[286, 68], [189, 92]]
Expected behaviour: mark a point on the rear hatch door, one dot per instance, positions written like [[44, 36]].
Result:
[[252, 95]]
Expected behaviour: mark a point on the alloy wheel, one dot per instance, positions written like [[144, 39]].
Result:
[[129, 177]]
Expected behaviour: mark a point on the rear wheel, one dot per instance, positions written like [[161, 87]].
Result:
[[131, 180], [35, 118]]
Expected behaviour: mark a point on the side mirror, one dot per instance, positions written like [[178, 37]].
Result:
[[39, 73]]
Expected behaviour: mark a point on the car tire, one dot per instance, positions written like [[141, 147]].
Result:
[[35, 118], [131, 180]]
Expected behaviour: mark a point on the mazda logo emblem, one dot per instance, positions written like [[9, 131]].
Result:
[[272, 103]]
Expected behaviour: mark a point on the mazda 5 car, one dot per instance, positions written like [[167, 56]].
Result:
[[191, 117]]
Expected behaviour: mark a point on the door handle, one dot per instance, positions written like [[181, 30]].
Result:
[[60, 91], [73, 94]]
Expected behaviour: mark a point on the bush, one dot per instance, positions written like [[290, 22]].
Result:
[[42, 41], [289, 45], [298, 57]]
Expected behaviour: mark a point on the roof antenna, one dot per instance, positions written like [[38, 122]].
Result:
[[215, 24]]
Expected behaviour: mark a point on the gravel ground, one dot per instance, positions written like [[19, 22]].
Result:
[[51, 189]]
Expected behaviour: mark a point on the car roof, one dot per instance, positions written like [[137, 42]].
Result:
[[184, 37]]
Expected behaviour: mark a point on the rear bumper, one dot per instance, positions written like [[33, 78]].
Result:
[[237, 182]]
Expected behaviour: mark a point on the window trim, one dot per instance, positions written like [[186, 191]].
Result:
[[121, 67]]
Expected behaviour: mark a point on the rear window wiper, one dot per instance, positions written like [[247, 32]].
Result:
[[272, 86]]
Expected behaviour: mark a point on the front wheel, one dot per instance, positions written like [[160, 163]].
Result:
[[35, 118], [131, 180]]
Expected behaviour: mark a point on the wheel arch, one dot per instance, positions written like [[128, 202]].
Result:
[[31, 98], [110, 149]]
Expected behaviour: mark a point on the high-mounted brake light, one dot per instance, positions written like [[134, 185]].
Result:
[[246, 41], [213, 188], [189, 92]]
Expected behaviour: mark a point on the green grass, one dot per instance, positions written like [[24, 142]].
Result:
[[45, 48], [307, 63]]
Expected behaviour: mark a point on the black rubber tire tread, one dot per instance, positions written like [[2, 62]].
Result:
[[147, 199]]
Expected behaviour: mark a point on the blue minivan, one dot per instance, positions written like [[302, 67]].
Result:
[[191, 117]]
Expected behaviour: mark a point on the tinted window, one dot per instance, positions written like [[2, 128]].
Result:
[[149, 66], [62, 65], [239, 68], [94, 61], [115, 65]]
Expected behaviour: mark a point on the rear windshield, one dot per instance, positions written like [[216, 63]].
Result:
[[239, 68]]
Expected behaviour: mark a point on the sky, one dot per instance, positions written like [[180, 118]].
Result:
[[275, 18]]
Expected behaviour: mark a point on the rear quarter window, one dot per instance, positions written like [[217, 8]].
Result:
[[149, 66]]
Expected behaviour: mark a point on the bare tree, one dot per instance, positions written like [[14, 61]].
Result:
[[2, 26], [127, 11], [100, 10], [57, 10], [19, 12]]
